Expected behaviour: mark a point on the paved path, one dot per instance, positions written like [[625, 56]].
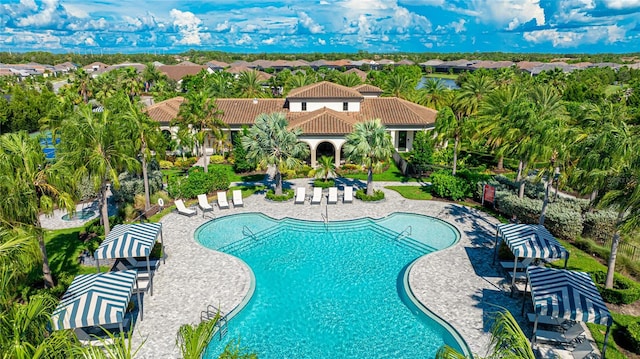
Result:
[[459, 284]]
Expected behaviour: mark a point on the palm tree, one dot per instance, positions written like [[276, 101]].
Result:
[[220, 84], [249, 85], [30, 186], [193, 339], [433, 93], [447, 126], [142, 130], [398, 84], [200, 114], [326, 168], [507, 340], [93, 145], [349, 80], [369, 144], [82, 84], [269, 142]]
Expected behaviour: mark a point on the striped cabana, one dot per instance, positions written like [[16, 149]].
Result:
[[529, 241], [96, 300], [566, 294], [130, 241]]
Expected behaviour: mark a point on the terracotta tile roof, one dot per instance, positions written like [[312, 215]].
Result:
[[324, 90], [262, 76], [166, 110], [405, 62], [217, 64], [243, 111], [187, 63], [361, 74], [367, 88], [323, 122], [396, 111], [178, 72], [237, 112]]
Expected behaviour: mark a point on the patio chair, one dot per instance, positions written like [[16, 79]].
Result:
[[182, 209], [222, 200], [317, 195], [237, 198], [582, 350], [203, 203], [333, 195], [348, 194], [300, 195], [544, 319], [520, 265], [569, 335]]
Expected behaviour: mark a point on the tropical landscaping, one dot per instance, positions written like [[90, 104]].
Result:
[[533, 139]]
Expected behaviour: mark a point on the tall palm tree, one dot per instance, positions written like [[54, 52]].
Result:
[[82, 84], [326, 168], [220, 84], [398, 84], [249, 85], [269, 142], [449, 126], [369, 144], [349, 80], [93, 145], [199, 114], [29, 186], [433, 93], [143, 131]]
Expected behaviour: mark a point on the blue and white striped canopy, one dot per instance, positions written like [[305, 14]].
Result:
[[567, 294], [95, 299], [531, 241], [129, 240]]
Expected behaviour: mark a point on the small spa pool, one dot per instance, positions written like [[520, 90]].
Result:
[[335, 290]]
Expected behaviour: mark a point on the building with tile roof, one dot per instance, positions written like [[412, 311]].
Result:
[[325, 112]]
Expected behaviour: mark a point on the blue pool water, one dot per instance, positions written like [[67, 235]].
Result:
[[331, 291]]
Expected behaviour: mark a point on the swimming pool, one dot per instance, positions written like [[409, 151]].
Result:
[[331, 290]]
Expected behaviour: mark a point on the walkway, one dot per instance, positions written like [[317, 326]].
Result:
[[459, 284]]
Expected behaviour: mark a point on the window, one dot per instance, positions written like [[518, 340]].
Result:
[[304, 106], [345, 106]]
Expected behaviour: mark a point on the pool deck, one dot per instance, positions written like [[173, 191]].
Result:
[[459, 284]]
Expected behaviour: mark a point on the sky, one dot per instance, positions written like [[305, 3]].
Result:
[[304, 26]]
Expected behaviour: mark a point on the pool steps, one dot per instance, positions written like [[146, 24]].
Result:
[[252, 239]]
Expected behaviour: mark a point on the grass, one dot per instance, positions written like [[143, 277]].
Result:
[[235, 177], [412, 192], [392, 174], [443, 76], [63, 249]]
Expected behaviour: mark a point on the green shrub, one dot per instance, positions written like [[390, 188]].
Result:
[[240, 162], [287, 173], [86, 190], [217, 159], [563, 222], [287, 194], [303, 171], [132, 184], [186, 163], [319, 182], [166, 165], [198, 182], [631, 336], [445, 185], [361, 194], [599, 225], [624, 291]]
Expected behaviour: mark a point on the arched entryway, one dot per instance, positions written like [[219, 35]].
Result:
[[325, 149]]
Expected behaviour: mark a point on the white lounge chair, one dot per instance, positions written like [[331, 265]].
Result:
[[333, 195], [237, 198], [222, 200], [567, 337], [203, 203], [348, 194], [317, 195], [182, 209], [300, 195]]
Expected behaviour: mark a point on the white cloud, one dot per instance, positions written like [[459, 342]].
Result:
[[322, 42], [46, 16], [309, 24], [587, 35], [223, 26], [30, 4], [509, 13], [269, 41], [244, 40], [622, 4], [458, 26], [428, 45], [75, 11], [89, 41], [189, 27]]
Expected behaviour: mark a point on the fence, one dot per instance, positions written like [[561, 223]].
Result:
[[630, 250]]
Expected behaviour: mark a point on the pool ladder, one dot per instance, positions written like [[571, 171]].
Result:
[[248, 233], [406, 232], [212, 313]]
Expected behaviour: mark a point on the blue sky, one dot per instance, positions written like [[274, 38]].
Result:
[[169, 26]]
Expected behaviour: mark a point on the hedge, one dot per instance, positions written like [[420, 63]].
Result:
[[445, 185], [599, 225], [361, 194], [287, 194], [624, 291]]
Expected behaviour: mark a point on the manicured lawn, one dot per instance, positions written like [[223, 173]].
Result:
[[412, 192], [235, 177], [392, 174], [63, 249], [443, 76]]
